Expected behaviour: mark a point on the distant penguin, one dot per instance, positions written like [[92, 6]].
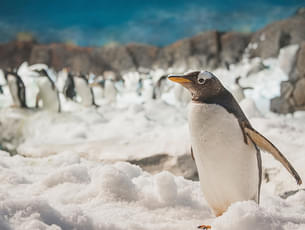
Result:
[[160, 87], [16, 88], [256, 68], [69, 88], [140, 87], [48, 92], [148, 91], [238, 91], [84, 90], [110, 92]]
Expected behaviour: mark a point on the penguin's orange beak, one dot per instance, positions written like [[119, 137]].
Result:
[[179, 78]]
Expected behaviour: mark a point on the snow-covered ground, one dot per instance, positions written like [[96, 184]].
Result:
[[71, 170]]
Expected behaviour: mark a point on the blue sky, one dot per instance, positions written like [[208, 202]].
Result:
[[157, 22]]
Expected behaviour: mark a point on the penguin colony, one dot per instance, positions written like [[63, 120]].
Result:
[[225, 146], [76, 87]]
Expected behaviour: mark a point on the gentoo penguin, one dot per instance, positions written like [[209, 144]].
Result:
[[84, 90], [149, 90], [110, 91], [48, 92], [238, 91], [98, 86], [1, 89], [160, 86], [69, 88], [224, 144], [256, 68], [16, 88]]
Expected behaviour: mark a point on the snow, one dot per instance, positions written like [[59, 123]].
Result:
[[71, 170]]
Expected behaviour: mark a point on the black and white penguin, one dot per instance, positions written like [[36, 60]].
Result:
[[110, 91], [48, 92], [16, 88], [69, 87], [225, 146], [238, 91], [1, 89], [160, 87], [83, 90]]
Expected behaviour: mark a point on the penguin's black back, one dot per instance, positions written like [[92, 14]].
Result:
[[69, 89], [20, 87]]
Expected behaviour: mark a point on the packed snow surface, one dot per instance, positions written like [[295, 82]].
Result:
[[71, 171]]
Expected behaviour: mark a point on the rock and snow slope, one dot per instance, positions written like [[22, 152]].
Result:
[[72, 171]]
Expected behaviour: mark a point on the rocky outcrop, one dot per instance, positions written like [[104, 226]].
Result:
[[268, 41], [142, 55], [78, 59], [206, 50], [233, 45], [292, 97], [14, 53]]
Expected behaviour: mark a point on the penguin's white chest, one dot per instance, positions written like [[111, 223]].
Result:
[[83, 90], [227, 167], [48, 94], [110, 91]]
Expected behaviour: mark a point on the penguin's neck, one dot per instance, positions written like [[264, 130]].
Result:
[[224, 99]]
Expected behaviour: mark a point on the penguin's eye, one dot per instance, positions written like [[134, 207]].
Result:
[[200, 80]]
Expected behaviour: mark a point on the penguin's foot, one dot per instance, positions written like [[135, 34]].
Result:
[[204, 227]]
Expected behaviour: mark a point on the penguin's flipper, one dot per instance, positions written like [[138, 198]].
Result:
[[263, 143], [192, 153]]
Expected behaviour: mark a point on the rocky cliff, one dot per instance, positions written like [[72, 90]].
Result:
[[207, 50]]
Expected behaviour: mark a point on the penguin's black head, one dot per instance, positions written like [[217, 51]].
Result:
[[42, 72], [203, 85]]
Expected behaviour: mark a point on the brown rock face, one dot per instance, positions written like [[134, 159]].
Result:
[[300, 66], [233, 45], [59, 56], [292, 96], [176, 53], [13, 54], [142, 55], [270, 39], [200, 51], [116, 56], [299, 92]]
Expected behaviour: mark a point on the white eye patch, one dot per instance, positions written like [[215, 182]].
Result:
[[203, 76]]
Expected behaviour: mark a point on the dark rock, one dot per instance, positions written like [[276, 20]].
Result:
[[176, 53], [286, 89], [299, 93], [200, 51], [300, 65], [182, 165], [233, 45], [77, 59], [281, 105], [13, 54], [206, 47], [115, 56], [41, 54], [270, 39], [142, 55]]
